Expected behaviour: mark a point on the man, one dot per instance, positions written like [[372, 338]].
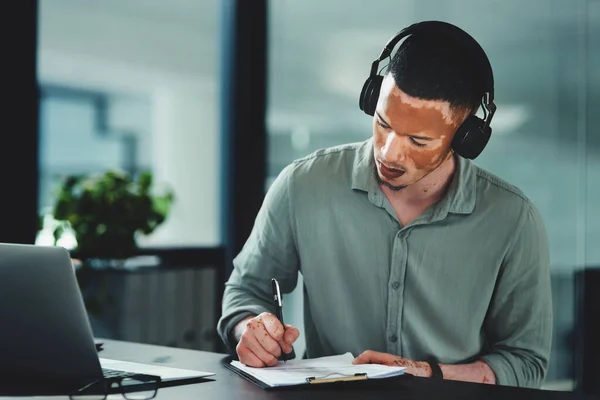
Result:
[[411, 255]]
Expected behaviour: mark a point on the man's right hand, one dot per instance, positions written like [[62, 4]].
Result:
[[262, 340]]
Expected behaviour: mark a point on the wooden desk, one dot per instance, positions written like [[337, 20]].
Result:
[[228, 385]]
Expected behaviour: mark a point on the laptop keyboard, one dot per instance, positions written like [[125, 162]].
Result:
[[113, 373]]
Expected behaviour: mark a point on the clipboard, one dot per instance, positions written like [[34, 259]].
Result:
[[340, 378], [332, 379], [226, 362]]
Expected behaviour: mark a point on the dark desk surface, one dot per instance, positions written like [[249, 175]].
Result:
[[228, 385]]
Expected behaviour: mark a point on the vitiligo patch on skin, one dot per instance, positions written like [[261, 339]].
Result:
[[442, 107], [405, 119]]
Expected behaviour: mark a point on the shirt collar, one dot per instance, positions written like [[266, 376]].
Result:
[[460, 198], [362, 168], [462, 193]]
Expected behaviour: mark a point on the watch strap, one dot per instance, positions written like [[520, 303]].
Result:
[[436, 370]]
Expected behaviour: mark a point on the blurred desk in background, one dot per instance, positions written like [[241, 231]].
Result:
[[168, 297]]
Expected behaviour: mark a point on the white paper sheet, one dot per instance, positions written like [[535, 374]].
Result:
[[166, 373], [296, 372]]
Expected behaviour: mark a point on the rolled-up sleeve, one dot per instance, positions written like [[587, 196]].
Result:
[[269, 252], [518, 325]]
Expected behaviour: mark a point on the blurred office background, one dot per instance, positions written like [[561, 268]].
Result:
[[147, 84]]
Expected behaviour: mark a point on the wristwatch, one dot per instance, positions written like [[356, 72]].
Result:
[[436, 371]]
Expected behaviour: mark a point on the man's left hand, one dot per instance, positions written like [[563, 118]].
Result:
[[412, 367]]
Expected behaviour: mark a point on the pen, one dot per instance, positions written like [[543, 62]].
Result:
[[278, 309]]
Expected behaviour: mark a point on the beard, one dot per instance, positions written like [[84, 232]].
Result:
[[400, 187], [384, 183]]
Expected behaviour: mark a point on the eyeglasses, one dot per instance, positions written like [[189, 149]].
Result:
[[134, 387]]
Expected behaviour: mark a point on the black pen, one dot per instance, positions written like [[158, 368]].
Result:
[[278, 310]]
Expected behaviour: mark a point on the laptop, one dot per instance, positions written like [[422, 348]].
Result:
[[45, 333]]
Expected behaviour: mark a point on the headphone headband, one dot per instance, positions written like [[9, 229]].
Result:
[[472, 136], [459, 34]]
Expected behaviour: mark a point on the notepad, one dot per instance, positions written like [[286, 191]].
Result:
[[323, 369]]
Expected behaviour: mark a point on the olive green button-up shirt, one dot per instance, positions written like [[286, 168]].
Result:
[[467, 280]]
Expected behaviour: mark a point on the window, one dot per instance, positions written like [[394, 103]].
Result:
[[133, 86]]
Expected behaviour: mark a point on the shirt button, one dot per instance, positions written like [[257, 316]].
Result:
[[393, 338], [396, 285]]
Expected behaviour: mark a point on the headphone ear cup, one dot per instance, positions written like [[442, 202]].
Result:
[[370, 94], [470, 138]]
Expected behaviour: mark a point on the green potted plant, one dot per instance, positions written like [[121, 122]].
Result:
[[106, 212]]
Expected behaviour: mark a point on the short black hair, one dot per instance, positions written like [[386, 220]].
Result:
[[437, 67]]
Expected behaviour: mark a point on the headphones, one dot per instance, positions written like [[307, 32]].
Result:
[[473, 135]]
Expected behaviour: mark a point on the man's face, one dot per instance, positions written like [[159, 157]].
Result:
[[412, 137]]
